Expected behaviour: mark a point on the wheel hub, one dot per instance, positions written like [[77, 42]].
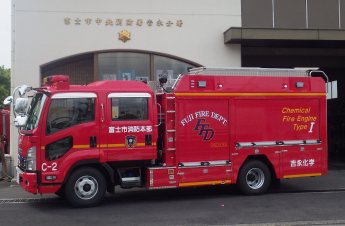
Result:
[[86, 187], [255, 178]]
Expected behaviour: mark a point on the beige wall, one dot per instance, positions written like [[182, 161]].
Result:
[[40, 34]]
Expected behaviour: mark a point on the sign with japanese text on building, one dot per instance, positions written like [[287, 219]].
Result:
[[123, 22], [123, 35]]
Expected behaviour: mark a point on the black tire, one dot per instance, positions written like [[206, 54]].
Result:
[[254, 178], [85, 187], [61, 193]]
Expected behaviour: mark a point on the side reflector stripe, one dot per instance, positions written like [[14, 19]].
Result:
[[302, 175], [204, 183]]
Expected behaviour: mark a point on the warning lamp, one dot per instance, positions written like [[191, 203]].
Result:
[[57, 81]]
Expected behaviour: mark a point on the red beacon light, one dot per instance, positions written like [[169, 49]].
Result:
[[57, 81]]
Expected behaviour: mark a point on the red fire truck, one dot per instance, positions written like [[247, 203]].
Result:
[[4, 130], [4, 140], [248, 127]]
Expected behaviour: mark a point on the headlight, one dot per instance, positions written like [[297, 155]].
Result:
[[31, 159]]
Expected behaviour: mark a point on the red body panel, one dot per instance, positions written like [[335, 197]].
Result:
[[161, 177], [28, 181], [5, 130], [202, 129], [209, 126]]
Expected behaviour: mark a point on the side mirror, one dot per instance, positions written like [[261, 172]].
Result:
[[8, 100], [23, 89], [20, 105], [20, 120]]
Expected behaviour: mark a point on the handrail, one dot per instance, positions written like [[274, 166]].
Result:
[[245, 71], [319, 71], [160, 114]]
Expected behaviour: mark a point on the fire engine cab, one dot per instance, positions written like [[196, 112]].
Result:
[[248, 127]]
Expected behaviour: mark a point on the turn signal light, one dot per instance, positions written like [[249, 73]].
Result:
[[51, 178]]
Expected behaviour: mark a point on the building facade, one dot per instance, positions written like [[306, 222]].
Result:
[[126, 40], [95, 40], [144, 40]]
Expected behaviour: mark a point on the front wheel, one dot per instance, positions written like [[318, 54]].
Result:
[[61, 193], [254, 178], [86, 187]]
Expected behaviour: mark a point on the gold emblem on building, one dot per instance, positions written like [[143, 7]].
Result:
[[124, 35]]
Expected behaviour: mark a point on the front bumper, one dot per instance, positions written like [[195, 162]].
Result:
[[28, 181]]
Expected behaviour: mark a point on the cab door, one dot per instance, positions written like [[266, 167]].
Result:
[[130, 127], [71, 133]]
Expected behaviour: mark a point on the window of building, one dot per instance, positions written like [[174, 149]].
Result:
[[168, 67], [139, 66], [124, 66], [117, 65]]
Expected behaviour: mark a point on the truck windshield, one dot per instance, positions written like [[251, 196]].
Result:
[[34, 111]]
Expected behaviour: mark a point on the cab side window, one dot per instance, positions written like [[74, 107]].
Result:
[[129, 108], [66, 112], [58, 148]]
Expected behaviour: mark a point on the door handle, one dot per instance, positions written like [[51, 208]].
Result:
[[102, 112], [148, 139], [93, 142]]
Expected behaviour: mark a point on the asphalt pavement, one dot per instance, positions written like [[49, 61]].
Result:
[[333, 181]]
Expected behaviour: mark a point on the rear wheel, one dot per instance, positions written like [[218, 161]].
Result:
[[86, 187], [254, 178]]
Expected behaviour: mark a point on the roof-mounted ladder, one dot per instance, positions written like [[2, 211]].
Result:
[[272, 72]]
